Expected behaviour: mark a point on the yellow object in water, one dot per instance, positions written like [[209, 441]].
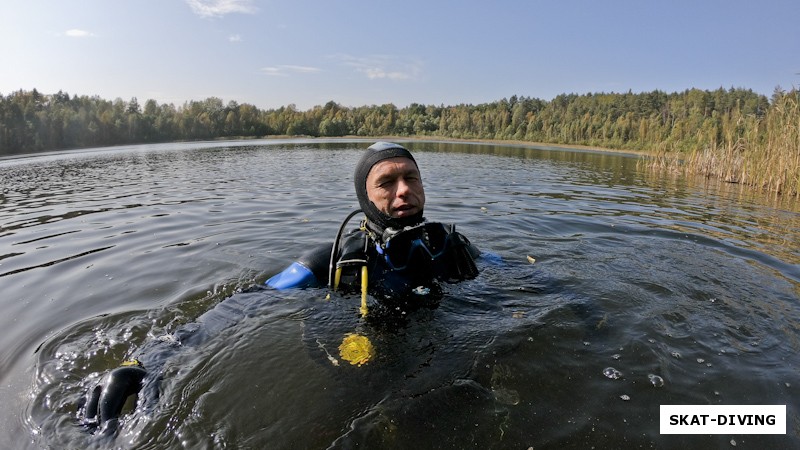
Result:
[[364, 287], [356, 349]]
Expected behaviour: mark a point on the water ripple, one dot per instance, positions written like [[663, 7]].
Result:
[[688, 288]]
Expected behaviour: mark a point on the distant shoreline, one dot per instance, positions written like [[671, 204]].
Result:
[[441, 139], [523, 144], [366, 139]]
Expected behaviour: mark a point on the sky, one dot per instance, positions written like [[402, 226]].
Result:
[[274, 53]]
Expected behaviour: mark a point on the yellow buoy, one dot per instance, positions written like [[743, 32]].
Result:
[[356, 349]]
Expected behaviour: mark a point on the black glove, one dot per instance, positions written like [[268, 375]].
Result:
[[104, 402], [462, 263]]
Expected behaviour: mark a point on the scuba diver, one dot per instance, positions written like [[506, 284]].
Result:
[[395, 254]]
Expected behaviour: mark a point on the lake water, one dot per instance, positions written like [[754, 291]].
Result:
[[645, 290]]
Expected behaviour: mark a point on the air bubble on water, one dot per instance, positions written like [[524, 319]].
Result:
[[676, 355], [700, 360], [651, 340], [733, 442], [655, 380], [169, 339], [421, 290], [612, 373], [625, 397], [616, 356]]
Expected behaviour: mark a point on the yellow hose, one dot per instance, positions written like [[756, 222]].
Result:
[[337, 278], [364, 284]]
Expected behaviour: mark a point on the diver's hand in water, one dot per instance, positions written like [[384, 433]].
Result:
[[463, 266], [105, 400]]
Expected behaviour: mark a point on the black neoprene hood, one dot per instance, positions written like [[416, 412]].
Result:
[[375, 153]]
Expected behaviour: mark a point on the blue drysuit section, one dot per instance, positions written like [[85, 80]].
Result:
[[294, 276]]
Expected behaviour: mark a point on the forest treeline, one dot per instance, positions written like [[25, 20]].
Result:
[[689, 121], [31, 121]]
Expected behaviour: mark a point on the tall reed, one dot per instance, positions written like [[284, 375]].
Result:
[[760, 152]]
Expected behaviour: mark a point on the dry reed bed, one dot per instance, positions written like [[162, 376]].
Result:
[[760, 152]]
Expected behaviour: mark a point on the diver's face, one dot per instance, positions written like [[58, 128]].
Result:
[[395, 187]]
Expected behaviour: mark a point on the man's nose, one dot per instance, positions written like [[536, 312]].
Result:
[[402, 188]]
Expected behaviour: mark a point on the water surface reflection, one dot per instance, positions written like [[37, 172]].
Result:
[[684, 290]]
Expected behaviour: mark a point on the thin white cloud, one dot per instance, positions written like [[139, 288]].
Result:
[[376, 67], [76, 33], [219, 8], [378, 72], [235, 38], [286, 70]]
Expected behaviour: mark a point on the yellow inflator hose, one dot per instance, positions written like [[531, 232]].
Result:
[[364, 284]]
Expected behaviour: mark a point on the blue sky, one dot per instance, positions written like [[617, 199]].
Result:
[[274, 53]]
